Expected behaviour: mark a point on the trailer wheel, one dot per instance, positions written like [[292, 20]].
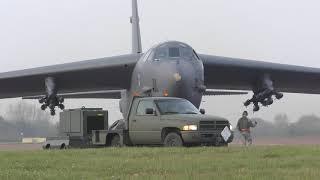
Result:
[[115, 141], [47, 146], [173, 140]]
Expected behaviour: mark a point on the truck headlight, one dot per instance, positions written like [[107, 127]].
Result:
[[231, 128], [190, 128]]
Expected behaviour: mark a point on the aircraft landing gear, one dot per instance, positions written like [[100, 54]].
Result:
[[263, 92], [51, 100]]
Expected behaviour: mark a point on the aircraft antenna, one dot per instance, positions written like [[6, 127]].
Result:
[[136, 37]]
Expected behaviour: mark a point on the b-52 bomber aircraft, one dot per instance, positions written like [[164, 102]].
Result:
[[168, 69]]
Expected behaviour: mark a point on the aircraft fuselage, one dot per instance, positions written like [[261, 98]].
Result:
[[168, 69]]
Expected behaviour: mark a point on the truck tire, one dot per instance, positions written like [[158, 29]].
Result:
[[115, 141], [173, 140], [221, 144], [63, 146]]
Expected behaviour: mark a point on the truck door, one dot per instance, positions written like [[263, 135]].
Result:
[[145, 128]]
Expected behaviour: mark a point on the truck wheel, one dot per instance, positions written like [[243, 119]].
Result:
[[115, 141], [63, 146], [222, 145], [173, 140]]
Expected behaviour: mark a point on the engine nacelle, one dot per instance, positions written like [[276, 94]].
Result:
[[263, 92], [51, 99]]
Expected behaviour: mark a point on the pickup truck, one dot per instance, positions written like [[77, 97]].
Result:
[[165, 121]]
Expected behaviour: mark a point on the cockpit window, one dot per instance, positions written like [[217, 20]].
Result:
[[186, 53], [178, 51], [174, 52], [161, 53]]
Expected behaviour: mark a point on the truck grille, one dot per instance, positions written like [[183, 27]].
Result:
[[213, 125]]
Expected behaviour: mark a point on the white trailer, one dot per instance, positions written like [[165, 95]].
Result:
[[77, 128]]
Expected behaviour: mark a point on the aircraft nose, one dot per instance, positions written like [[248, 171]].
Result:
[[187, 79], [178, 78], [184, 79]]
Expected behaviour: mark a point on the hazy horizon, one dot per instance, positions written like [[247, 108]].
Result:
[[41, 32]]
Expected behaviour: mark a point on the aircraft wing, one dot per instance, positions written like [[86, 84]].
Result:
[[108, 94], [92, 75], [210, 92], [241, 74]]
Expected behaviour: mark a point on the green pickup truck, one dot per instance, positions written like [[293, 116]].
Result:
[[165, 121]]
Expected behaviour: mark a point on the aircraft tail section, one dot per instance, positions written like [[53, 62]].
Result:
[[136, 36]]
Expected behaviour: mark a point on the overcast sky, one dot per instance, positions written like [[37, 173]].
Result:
[[41, 32]]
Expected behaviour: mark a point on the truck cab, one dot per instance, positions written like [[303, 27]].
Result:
[[168, 121]]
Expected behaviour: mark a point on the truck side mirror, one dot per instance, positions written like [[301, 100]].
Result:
[[202, 111], [150, 111]]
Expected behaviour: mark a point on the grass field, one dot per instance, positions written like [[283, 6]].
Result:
[[261, 162]]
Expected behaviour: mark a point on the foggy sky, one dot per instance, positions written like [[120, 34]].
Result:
[[41, 32]]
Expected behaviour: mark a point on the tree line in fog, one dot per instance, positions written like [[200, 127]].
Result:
[[307, 125], [24, 119]]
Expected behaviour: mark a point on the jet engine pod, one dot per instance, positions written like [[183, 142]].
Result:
[[263, 91], [51, 99]]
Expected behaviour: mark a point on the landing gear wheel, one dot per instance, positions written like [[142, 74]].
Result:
[[52, 112], [269, 101], [247, 103], [173, 140], [61, 106], [279, 95], [43, 107], [115, 142], [264, 103]]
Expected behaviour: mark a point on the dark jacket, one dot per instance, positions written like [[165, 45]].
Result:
[[244, 124]]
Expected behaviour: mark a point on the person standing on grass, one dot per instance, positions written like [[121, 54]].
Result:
[[244, 124]]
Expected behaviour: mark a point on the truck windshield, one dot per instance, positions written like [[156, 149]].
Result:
[[176, 106]]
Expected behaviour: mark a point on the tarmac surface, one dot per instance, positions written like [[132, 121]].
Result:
[[261, 141], [19, 147], [298, 140]]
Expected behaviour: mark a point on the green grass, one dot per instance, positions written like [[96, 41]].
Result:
[[273, 162]]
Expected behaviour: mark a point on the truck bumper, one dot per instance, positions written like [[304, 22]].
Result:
[[205, 137]]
